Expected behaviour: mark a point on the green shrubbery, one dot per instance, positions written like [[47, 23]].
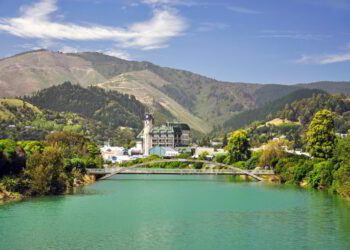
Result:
[[48, 167]]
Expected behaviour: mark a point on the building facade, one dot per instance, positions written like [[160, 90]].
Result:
[[170, 135]]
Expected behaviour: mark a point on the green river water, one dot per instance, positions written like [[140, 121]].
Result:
[[178, 212]]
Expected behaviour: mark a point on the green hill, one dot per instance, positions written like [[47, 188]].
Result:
[[15, 109], [268, 110], [109, 107], [304, 109], [20, 120]]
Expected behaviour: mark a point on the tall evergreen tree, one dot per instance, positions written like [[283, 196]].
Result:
[[321, 135], [238, 146]]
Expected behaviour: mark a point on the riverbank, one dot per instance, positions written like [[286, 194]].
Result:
[[9, 197]]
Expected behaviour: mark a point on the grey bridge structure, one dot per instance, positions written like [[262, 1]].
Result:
[[137, 169]]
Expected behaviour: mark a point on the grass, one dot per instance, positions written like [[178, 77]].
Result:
[[279, 122], [6, 114]]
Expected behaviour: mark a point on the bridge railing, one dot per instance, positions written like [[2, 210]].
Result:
[[164, 170]]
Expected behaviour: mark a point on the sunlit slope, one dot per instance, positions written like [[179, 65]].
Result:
[[29, 72], [10, 109], [144, 85]]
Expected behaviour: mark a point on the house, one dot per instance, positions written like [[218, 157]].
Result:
[[112, 154]]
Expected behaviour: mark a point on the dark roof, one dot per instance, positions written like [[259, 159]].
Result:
[[182, 126]]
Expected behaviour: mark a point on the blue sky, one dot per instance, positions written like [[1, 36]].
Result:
[[263, 41]]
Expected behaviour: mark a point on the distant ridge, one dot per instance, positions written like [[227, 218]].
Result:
[[198, 100]]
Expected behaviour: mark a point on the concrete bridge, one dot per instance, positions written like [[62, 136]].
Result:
[[136, 169]]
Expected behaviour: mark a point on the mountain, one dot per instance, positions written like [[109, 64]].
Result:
[[269, 109], [330, 87], [200, 101], [28, 72]]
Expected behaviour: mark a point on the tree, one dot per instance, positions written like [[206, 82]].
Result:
[[238, 146], [342, 149], [272, 152], [321, 175], [224, 140], [45, 172], [341, 183], [320, 135]]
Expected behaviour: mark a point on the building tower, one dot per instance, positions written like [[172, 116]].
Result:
[[147, 138]]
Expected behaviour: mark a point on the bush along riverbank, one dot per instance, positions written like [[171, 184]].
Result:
[[51, 167], [326, 168]]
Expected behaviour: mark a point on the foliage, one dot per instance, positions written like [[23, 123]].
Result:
[[293, 169], [240, 164], [263, 133], [22, 125], [342, 149], [321, 176], [272, 152], [238, 146], [268, 110], [253, 161], [303, 110], [220, 158], [341, 180], [124, 137], [92, 102], [12, 158], [46, 167], [45, 172], [320, 135]]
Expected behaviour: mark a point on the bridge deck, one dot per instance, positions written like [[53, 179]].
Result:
[[107, 171]]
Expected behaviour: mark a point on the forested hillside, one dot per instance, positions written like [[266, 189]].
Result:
[[303, 110], [20, 120], [109, 107], [269, 110]]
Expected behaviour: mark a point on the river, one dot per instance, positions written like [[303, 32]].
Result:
[[178, 212]]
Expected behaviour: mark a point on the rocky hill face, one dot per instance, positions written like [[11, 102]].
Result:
[[200, 101]]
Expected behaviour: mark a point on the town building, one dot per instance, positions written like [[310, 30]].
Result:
[[165, 152], [169, 135], [113, 154]]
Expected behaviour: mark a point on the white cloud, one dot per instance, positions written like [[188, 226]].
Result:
[[324, 59], [289, 34], [209, 26], [37, 22], [169, 2], [117, 53], [243, 10], [69, 49]]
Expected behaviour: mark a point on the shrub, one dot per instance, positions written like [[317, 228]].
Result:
[[321, 175], [341, 183], [253, 161]]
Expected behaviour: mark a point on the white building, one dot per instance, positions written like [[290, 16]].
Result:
[[112, 154]]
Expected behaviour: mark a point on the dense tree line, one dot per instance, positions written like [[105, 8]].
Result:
[[52, 166]]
